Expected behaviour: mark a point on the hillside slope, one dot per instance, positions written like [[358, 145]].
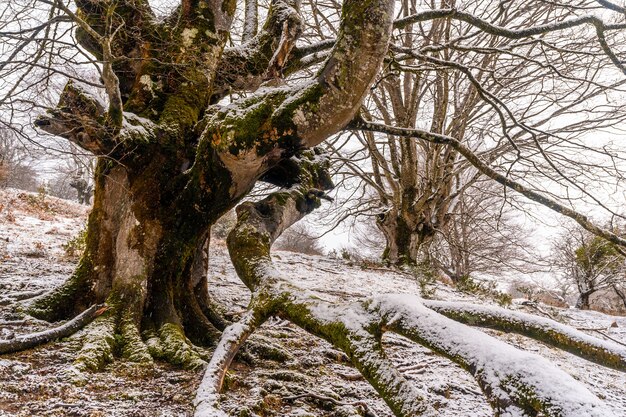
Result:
[[283, 371]]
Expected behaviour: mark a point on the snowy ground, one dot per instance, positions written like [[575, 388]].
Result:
[[40, 382]]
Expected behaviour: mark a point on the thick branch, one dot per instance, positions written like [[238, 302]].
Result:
[[247, 66], [79, 118], [556, 334], [515, 382], [261, 223], [253, 134], [66, 329], [492, 29]]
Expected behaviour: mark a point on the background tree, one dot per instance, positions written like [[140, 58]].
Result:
[[484, 237], [495, 95], [591, 263], [16, 168]]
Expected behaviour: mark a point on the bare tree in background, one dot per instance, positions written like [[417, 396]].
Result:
[[300, 239], [189, 125], [497, 97], [16, 167], [483, 237]]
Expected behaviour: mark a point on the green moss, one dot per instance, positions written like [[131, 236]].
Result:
[[99, 344], [177, 349], [131, 346], [181, 110]]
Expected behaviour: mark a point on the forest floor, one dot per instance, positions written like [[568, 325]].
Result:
[[284, 362]]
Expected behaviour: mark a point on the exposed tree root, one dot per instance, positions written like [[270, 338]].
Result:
[[99, 344], [132, 346], [200, 328], [515, 382], [209, 308], [207, 399], [67, 329], [19, 296], [59, 303], [175, 348]]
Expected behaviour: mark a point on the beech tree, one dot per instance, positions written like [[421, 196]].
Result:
[[175, 153], [496, 95]]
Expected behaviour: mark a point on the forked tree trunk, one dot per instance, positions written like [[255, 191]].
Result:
[[171, 163], [407, 241], [145, 260]]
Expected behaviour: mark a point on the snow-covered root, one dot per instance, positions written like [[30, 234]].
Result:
[[549, 331], [70, 327], [400, 394], [206, 402], [516, 383], [511, 379], [356, 331]]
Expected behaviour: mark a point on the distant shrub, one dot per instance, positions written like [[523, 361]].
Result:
[[299, 238], [37, 201], [76, 245], [426, 277], [484, 288]]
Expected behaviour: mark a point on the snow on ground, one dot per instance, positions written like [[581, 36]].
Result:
[[40, 382]]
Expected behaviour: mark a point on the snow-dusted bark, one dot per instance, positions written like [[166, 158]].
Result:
[[516, 383], [513, 381], [31, 340], [207, 398], [549, 331]]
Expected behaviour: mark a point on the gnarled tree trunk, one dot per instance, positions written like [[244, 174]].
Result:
[[171, 162]]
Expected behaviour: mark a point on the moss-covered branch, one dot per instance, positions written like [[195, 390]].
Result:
[[245, 67], [251, 135], [512, 380], [556, 334]]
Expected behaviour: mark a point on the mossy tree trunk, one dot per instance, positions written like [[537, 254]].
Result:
[[171, 162], [408, 236]]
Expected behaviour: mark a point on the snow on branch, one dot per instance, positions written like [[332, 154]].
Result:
[[515, 382], [78, 117], [206, 402], [549, 331]]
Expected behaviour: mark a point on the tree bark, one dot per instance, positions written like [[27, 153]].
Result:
[[583, 302], [407, 239], [171, 163]]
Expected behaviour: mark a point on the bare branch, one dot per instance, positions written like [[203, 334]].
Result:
[[494, 175]]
